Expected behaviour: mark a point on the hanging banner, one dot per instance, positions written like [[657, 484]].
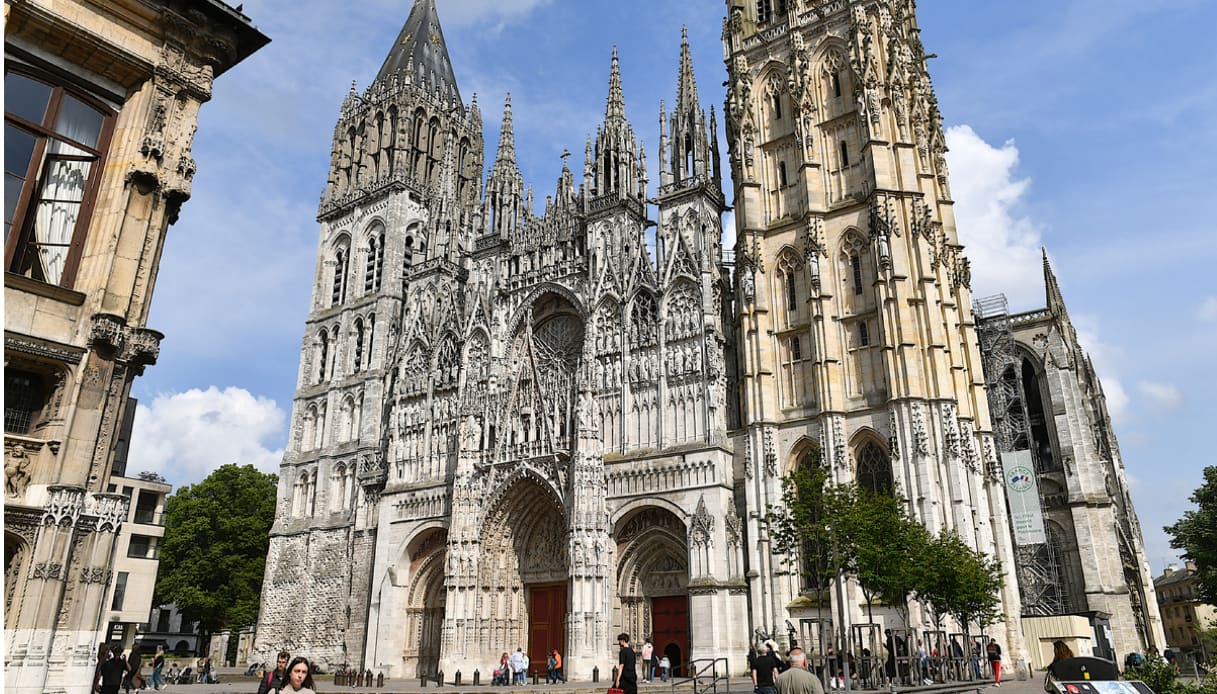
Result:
[[1023, 497]]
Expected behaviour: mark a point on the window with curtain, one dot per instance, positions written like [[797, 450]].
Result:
[[54, 146]]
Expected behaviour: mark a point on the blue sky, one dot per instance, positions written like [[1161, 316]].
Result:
[[1087, 126]]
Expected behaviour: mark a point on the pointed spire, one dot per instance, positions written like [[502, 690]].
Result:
[[1056, 302], [420, 49], [615, 110], [686, 87], [507, 136]]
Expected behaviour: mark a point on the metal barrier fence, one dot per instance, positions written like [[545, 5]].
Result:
[[706, 675], [894, 658]]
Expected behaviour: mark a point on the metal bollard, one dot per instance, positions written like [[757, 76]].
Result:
[[534, 678], [380, 679], [422, 681], [457, 680], [477, 678], [367, 678], [359, 680], [340, 678], [439, 679], [596, 674]]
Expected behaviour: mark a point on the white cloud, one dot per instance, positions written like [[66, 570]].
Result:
[[185, 436], [497, 12], [1105, 357], [1165, 395], [1002, 245], [1208, 308]]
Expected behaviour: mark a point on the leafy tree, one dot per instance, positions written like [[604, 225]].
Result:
[[959, 581], [1196, 534], [887, 545], [214, 553]]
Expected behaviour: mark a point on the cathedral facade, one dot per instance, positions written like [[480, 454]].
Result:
[[519, 429]]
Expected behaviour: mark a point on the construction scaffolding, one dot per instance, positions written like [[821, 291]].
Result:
[[1038, 573]]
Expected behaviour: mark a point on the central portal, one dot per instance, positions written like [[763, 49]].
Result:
[[546, 624], [670, 615]]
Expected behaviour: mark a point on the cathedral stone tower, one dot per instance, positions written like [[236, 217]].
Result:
[[856, 339], [510, 428], [1082, 552]]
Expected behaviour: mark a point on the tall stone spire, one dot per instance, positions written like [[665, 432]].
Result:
[[1056, 302], [686, 86], [615, 109], [507, 137], [421, 49]]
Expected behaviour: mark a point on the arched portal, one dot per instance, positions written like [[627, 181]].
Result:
[[15, 553], [653, 579], [425, 608], [523, 574]]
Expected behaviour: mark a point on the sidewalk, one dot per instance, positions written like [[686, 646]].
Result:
[[233, 681]]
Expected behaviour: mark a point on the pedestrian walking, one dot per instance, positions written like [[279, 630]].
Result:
[[764, 671], [111, 673], [627, 666], [665, 667], [797, 679], [1060, 651], [517, 667], [158, 667], [299, 678], [993, 652], [648, 651], [273, 680]]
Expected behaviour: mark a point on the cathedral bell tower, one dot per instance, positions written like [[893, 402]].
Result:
[[396, 213], [856, 340]]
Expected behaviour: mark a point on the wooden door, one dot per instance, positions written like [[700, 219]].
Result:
[[546, 624], [670, 617]]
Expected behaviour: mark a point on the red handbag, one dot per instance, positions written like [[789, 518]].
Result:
[[615, 690]]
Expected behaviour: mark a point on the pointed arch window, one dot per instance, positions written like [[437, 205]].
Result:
[[323, 354], [792, 293], [844, 149], [874, 469], [836, 84], [357, 361], [863, 335], [782, 174], [855, 264], [777, 106], [338, 294], [376, 259]]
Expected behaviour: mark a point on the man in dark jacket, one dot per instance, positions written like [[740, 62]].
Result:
[[273, 680], [111, 672]]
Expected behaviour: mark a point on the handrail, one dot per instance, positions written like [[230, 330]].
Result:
[[703, 682]]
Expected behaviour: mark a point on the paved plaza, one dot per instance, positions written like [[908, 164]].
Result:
[[232, 680]]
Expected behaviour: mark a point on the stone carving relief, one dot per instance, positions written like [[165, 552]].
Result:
[[63, 506], [920, 434], [701, 527]]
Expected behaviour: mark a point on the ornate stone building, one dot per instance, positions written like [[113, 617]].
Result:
[[1085, 555], [854, 324], [513, 426], [101, 107], [530, 430]]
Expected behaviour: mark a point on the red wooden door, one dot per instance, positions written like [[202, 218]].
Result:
[[546, 624], [670, 617]]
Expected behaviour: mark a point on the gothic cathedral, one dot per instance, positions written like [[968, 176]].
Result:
[[521, 430]]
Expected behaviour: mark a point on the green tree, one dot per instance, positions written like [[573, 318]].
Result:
[[214, 553], [1196, 534], [887, 547], [959, 581]]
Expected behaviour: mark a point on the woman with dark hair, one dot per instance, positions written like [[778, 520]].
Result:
[[111, 672], [1060, 651], [299, 677]]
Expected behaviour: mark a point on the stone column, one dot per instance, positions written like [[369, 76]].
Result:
[[591, 551]]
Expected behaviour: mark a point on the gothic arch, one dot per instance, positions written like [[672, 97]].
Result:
[[872, 462], [652, 563], [524, 473], [632, 508], [16, 555], [527, 307], [799, 452], [426, 600]]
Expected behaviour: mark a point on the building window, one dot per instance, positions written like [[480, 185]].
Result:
[[376, 256], [120, 591], [792, 293], [323, 356], [855, 264], [142, 547], [863, 335], [844, 147], [796, 348], [874, 469], [358, 362], [25, 393], [777, 107], [836, 84], [764, 11], [54, 146], [782, 174], [339, 294]]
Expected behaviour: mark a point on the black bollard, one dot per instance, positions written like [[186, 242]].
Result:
[[457, 680], [359, 680], [534, 678], [340, 679], [477, 678], [380, 679], [422, 681], [439, 679], [596, 674], [367, 678]]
